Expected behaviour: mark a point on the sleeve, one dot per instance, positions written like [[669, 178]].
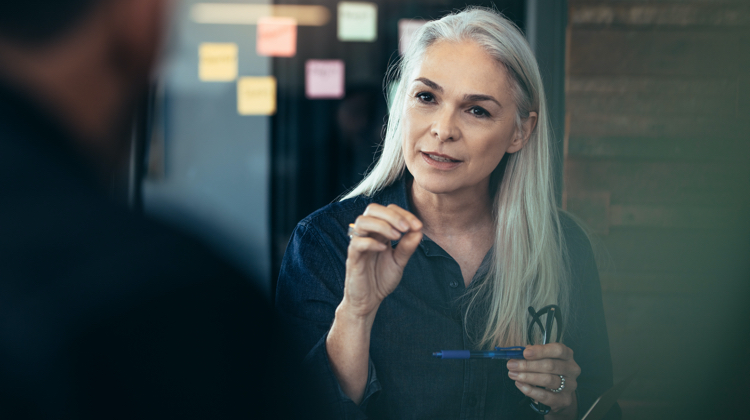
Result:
[[310, 287], [587, 329]]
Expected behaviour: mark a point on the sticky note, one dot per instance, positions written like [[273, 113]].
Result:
[[217, 62], [406, 29], [324, 79], [358, 21], [256, 95], [277, 36]]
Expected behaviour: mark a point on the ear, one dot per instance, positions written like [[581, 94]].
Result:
[[523, 133], [137, 27]]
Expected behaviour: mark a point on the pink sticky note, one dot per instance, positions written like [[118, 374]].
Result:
[[277, 36], [324, 79], [406, 29]]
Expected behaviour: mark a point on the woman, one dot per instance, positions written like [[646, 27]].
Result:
[[454, 234]]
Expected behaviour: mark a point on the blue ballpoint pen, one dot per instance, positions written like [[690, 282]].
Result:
[[498, 353]]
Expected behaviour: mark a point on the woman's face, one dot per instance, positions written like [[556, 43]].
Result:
[[459, 119]]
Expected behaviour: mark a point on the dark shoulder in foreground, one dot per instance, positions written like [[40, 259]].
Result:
[[107, 314]]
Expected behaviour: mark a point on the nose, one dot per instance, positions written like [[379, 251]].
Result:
[[444, 127]]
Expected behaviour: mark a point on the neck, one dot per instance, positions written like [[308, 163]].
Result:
[[455, 214]]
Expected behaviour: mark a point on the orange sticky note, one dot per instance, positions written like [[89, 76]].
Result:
[[256, 95], [277, 36]]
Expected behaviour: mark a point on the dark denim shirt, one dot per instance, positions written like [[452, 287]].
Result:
[[425, 314]]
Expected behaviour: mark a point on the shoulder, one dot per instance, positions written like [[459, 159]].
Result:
[[84, 238], [325, 230], [576, 239], [323, 234], [579, 253], [339, 214]]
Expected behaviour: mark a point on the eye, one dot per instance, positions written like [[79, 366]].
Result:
[[425, 97], [478, 111]]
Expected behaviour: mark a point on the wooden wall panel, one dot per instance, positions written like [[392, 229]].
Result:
[[658, 165], [700, 256], [605, 125], [654, 182], [650, 96], [617, 51], [670, 13], [686, 149]]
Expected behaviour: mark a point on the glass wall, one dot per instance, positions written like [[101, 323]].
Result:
[[265, 112]]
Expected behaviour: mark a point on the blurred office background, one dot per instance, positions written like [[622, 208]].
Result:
[[648, 102]]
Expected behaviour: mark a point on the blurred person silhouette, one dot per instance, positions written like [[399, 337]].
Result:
[[104, 313]]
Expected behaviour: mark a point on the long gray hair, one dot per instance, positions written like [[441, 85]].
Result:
[[529, 266]]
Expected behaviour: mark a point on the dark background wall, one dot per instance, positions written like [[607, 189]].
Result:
[[658, 165]]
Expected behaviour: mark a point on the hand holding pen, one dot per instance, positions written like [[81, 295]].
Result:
[[545, 373], [546, 366], [549, 367]]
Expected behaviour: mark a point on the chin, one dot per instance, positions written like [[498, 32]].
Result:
[[435, 184]]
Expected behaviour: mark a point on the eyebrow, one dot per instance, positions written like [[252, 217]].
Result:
[[469, 98]]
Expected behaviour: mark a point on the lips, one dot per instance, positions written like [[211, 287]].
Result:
[[440, 161], [441, 157]]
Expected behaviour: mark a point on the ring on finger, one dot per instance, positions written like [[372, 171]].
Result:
[[562, 385], [351, 232]]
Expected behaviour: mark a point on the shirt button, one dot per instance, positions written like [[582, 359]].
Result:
[[453, 284], [472, 401]]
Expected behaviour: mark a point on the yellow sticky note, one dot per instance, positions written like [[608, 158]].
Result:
[[217, 62], [277, 36], [256, 95], [358, 21]]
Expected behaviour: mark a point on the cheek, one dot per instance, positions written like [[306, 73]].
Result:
[[414, 129], [490, 151]]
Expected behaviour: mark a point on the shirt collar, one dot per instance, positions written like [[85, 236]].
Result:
[[397, 193]]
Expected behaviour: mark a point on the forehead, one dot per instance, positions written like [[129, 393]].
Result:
[[464, 68]]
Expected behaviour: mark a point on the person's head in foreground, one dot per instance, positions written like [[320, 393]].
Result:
[[452, 236], [85, 62]]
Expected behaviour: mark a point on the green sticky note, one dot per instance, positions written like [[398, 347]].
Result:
[[358, 21]]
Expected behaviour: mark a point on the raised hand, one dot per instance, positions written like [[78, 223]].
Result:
[[373, 270], [373, 267]]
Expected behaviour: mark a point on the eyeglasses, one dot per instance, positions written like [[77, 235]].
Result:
[[553, 315]]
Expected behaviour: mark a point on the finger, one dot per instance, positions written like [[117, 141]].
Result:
[[359, 246], [372, 226], [555, 366], [545, 380], [413, 221], [406, 248], [548, 351], [554, 401], [396, 216]]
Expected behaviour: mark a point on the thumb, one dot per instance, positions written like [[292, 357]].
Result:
[[406, 248]]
